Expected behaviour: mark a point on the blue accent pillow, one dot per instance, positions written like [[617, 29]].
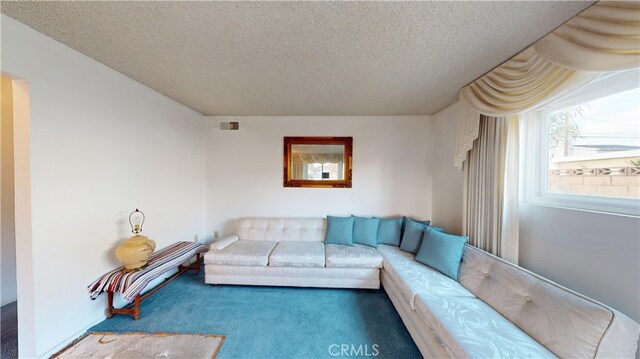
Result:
[[442, 252], [390, 231], [339, 230], [365, 231], [412, 236], [404, 224]]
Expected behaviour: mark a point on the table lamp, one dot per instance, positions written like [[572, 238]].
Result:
[[135, 251]]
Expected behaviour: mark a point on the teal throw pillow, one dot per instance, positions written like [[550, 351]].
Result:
[[412, 236], [404, 224], [365, 231], [442, 252], [390, 231], [339, 230]]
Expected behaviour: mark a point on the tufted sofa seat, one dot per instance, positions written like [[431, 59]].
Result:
[[494, 310]]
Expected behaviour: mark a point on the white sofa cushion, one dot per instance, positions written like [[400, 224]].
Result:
[[354, 256], [281, 229], [469, 328], [297, 254], [413, 278], [567, 323], [241, 253]]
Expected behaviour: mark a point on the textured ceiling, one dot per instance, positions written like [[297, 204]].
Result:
[[299, 58]]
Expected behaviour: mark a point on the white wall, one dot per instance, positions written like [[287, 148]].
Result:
[[101, 145], [391, 169], [447, 179], [595, 254], [592, 253], [8, 290]]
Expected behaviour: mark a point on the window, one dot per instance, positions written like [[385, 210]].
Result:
[[584, 152], [322, 171]]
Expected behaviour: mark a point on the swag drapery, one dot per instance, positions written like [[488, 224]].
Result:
[[603, 38]]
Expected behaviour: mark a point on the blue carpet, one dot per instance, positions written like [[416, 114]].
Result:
[[275, 322]]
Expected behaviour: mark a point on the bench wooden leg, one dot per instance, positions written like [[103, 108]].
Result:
[[110, 305], [134, 311], [136, 307]]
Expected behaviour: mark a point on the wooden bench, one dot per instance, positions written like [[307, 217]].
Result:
[[131, 284]]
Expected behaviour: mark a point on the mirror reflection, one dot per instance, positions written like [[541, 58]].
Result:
[[317, 162]]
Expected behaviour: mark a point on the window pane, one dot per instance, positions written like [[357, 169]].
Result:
[[594, 147], [314, 171], [330, 171], [323, 171]]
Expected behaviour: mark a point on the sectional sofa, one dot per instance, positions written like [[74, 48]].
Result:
[[494, 309]]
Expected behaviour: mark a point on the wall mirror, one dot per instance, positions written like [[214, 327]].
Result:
[[318, 161]]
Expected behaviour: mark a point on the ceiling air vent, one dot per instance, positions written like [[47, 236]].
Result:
[[229, 126]]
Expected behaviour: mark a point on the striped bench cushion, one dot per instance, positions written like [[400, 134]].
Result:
[[130, 284]]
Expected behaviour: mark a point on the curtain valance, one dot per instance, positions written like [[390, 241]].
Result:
[[603, 38]]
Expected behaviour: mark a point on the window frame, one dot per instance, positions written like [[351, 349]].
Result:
[[535, 152]]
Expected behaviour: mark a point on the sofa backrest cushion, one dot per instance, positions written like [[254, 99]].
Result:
[[281, 229], [565, 322]]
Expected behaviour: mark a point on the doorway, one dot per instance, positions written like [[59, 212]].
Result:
[[9, 289], [16, 264]]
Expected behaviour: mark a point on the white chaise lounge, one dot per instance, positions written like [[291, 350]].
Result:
[[496, 309]]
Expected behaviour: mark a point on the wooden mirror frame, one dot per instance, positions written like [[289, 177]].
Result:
[[347, 142]]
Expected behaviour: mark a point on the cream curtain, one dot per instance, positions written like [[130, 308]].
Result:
[[491, 188], [524, 83], [603, 38], [468, 125]]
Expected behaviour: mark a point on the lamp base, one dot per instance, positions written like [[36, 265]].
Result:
[[129, 270], [135, 251]]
